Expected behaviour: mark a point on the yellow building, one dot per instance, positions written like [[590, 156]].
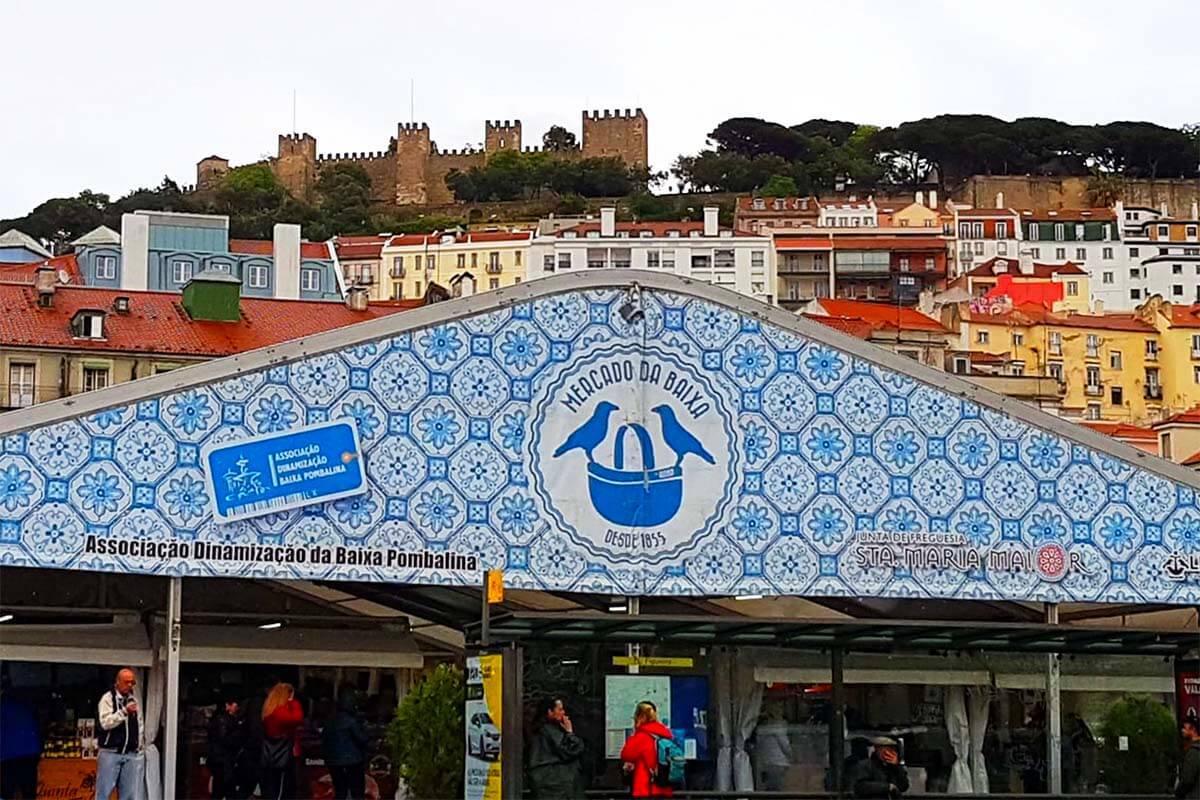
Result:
[[1110, 365], [488, 259], [1179, 351], [1007, 282]]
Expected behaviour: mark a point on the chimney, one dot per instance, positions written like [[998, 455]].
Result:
[[999, 199], [1162, 209], [285, 249], [712, 217], [1097, 306], [920, 198], [1195, 210], [608, 221], [213, 296], [356, 298], [135, 252], [45, 280], [933, 199]]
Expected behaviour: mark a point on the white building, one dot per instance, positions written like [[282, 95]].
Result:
[[704, 251], [1089, 238], [984, 234], [1162, 254], [849, 213]]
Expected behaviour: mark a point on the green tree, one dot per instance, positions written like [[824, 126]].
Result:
[[779, 186], [62, 219], [345, 201], [1147, 765], [559, 139], [426, 735]]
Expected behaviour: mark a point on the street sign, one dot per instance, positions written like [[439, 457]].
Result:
[[653, 661], [269, 474], [495, 586]]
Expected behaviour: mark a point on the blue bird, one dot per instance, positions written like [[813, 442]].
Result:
[[591, 433], [678, 439]]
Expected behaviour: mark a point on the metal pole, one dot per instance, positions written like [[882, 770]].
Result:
[[174, 608], [485, 623], [837, 725], [1053, 712], [633, 606]]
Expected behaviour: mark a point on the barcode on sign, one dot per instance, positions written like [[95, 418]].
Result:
[[266, 505]]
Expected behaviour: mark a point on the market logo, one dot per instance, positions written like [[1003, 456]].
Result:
[[634, 452], [1051, 562]]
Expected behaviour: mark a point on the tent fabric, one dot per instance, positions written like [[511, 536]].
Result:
[[297, 646], [116, 644], [722, 704], [155, 697], [746, 704], [979, 702], [959, 733]]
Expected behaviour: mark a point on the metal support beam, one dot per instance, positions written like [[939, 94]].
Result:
[[837, 727], [1053, 712], [171, 712]]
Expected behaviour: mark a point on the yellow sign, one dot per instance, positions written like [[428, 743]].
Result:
[[652, 661], [483, 726], [495, 586]]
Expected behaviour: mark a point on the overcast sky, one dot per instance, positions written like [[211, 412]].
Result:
[[110, 96]]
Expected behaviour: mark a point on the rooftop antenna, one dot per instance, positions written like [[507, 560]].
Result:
[[412, 113], [293, 111]]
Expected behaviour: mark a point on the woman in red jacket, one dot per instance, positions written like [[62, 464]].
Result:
[[282, 718], [640, 753]]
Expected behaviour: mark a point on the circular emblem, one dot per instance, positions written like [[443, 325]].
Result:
[[1051, 562], [633, 451]]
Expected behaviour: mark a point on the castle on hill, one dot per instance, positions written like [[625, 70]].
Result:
[[412, 170]]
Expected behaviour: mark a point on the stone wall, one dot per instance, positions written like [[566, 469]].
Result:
[[1033, 191], [616, 133]]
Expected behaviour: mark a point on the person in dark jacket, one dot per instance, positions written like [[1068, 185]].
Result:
[[882, 775], [228, 736], [20, 745], [555, 754], [344, 744], [1188, 784]]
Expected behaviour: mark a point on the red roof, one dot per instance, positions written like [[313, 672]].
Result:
[[784, 242], [791, 206], [1122, 430], [499, 236], [265, 247], [987, 213], [881, 315], [350, 248], [904, 243], [634, 229], [25, 272], [858, 328], [1192, 460], [987, 269], [1068, 214], [1185, 316], [1035, 314], [1189, 417], [157, 323]]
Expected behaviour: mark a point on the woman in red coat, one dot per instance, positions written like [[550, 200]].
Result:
[[640, 753], [282, 718]]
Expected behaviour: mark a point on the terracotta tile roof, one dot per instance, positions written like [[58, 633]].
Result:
[[909, 243], [1185, 316], [1189, 417], [858, 328], [655, 229], [881, 315], [26, 272], [791, 206], [157, 323], [350, 248], [987, 213], [265, 247], [1035, 314], [1192, 460], [1122, 430], [413, 239], [1068, 214], [784, 242], [499, 236], [987, 269]]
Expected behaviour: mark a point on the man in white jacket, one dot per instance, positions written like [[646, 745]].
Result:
[[121, 763]]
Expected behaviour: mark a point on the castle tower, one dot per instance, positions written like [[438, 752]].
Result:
[[210, 171], [499, 136], [616, 133], [295, 166], [412, 160]]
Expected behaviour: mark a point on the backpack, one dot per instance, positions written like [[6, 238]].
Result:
[[670, 762]]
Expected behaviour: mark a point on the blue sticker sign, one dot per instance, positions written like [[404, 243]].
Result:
[[269, 474]]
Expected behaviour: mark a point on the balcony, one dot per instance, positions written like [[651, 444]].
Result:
[[1030, 388], [398, 273], [1153, 392], [1152, 355], [1093, 389]]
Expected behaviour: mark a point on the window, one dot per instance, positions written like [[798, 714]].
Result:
[[1135, 294], [88, 325], [622, 257], [1002, 248], [1114, 359], [1079, 233], [1191, 231], [474, 260], [493, 262], [1001, 230], [1060, 232], [416, 288], [493, 283], [964, 230], [1153, 388], [20, 385], [1151, 348], [1166, 445], [979, 248], [516, 258], [516, 279], [757, 259], [1164, 232], [1018, 339], [976, 230], [904, 264], [1117, 396], [310, 280], [930, 263], [1106, 277], [181, 271], [1196, 374], [962, 366], [1177, 290], [1133, 252], [1135, 273], [701, 261], [1093, 376], [723, 259], [1035, 252], [759, 204], [1034, 232], [1055, 343], [397, 291], [668, 259], [1177, 269], [1107, 254], [221, 266], [652, 259], [1017, 368], [95, 378], [430, 263], [548, 262], [106, 268], [1080, 254], [1060, 253], [982, 337], [1055, 370], [597, 257], [397, 266], [907, 280], [461, 260], [1072, 288], [257, 276], [564, 260], [1093, 345]]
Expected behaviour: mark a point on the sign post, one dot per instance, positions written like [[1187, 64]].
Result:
[[484, 723]]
